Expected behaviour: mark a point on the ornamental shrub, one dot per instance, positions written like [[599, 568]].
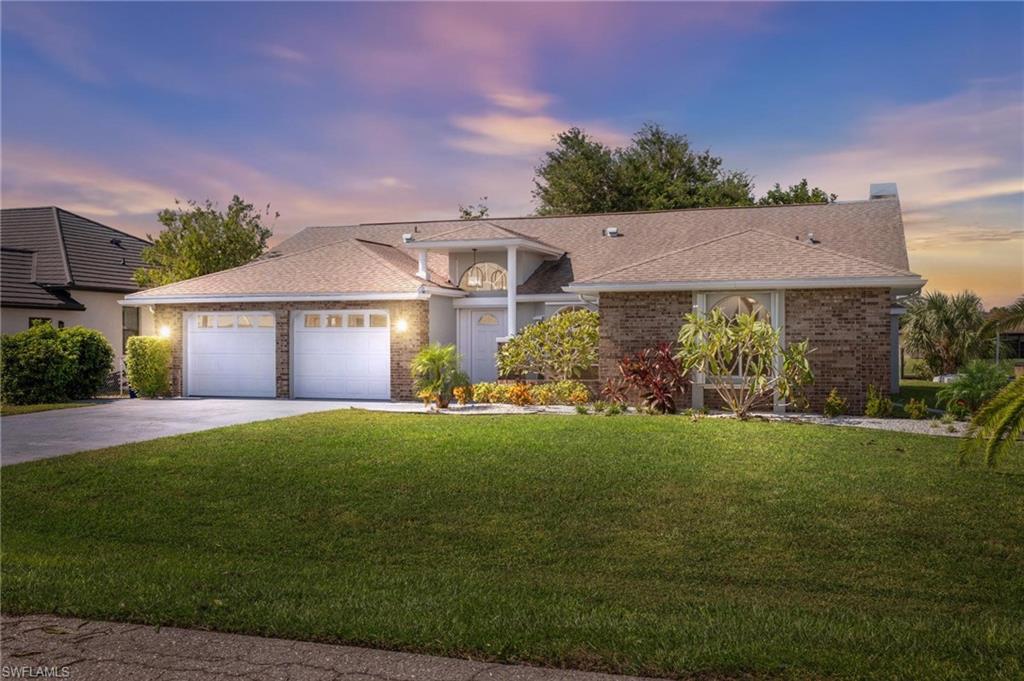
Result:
[[560, 347], [656, 375], [463, 393], [93, 358], [916, 409], [35, 366], [483, 392], [835, 405], [557, 392], [147, 364], [520, 394], [738, 359], [878, 404], [565, 392]]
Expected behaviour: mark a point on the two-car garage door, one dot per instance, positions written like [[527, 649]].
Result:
[[334, 354]]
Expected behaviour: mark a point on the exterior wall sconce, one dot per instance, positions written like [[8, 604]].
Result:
[[165, 331], [401, 326]]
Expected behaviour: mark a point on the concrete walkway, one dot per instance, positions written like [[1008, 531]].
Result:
[[107, 651], [45, 434]]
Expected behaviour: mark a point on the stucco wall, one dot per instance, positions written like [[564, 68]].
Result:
[[404, 344], [102, 312], [442, 320]]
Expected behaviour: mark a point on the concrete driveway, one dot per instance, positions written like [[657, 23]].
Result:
[[27, 437]]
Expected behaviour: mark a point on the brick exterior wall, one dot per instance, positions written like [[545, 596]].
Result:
[[849, 331], [404, 345], [634, 321]]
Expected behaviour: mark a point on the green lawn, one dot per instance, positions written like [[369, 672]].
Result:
[[646, 545], [13, 409], [919, 390]]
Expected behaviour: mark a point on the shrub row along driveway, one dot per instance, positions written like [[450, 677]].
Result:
[[642, 545], [28, 437]]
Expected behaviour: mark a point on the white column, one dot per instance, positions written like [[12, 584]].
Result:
[[700, 303], [513, 284], [422, 272], [777, 312]]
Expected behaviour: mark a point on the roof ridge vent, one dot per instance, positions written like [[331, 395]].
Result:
[[611, 232]]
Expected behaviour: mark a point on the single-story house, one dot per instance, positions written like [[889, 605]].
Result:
[[67, 270], [340, 311]]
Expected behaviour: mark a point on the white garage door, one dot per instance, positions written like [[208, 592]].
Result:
[[342, 354], [231, 354]]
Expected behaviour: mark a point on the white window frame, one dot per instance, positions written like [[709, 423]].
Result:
[[776, 308]]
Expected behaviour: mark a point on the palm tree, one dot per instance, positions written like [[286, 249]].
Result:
[[945, 330], [1007, 318], [997, 425]]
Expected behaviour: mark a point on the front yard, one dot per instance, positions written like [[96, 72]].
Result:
[[648, 545]]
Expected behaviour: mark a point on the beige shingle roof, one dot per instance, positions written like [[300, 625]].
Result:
[[343, 266], [856, 239], [475, 230], [744, 255]]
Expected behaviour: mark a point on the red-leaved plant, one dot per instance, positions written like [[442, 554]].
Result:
[[657, 377]]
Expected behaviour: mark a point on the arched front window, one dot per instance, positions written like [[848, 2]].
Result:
[[484, 276], [732, 304]]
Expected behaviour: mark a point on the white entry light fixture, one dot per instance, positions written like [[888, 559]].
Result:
[[401, 326], [165, 331], [475, 276]]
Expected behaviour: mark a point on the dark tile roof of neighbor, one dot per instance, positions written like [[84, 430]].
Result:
[[851, 239], [73, 251], [18, 288]]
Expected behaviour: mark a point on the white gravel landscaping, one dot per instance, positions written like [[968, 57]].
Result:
[[921, 427]]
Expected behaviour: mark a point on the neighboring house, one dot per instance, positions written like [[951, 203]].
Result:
[[340, 311], [67, 270]]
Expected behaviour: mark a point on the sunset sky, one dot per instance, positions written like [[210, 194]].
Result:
[[353, 113]]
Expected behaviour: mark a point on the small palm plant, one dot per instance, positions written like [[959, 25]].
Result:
[[977, 384], [436, 372], [997, 425]]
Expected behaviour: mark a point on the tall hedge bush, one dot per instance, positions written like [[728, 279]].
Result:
[[94, 361], [147, 363], [35, 366]]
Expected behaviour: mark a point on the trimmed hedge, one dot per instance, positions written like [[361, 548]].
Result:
[[43, 364], [94, 361], [147, 364]]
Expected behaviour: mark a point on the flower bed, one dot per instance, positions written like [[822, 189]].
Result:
[[522, 393]]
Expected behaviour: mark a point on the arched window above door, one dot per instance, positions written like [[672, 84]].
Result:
[[484, 276]]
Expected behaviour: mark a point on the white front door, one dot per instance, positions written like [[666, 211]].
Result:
[[231, 354], [341, 354], [480, 330]]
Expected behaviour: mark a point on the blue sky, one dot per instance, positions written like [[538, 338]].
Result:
[[338, 113]]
